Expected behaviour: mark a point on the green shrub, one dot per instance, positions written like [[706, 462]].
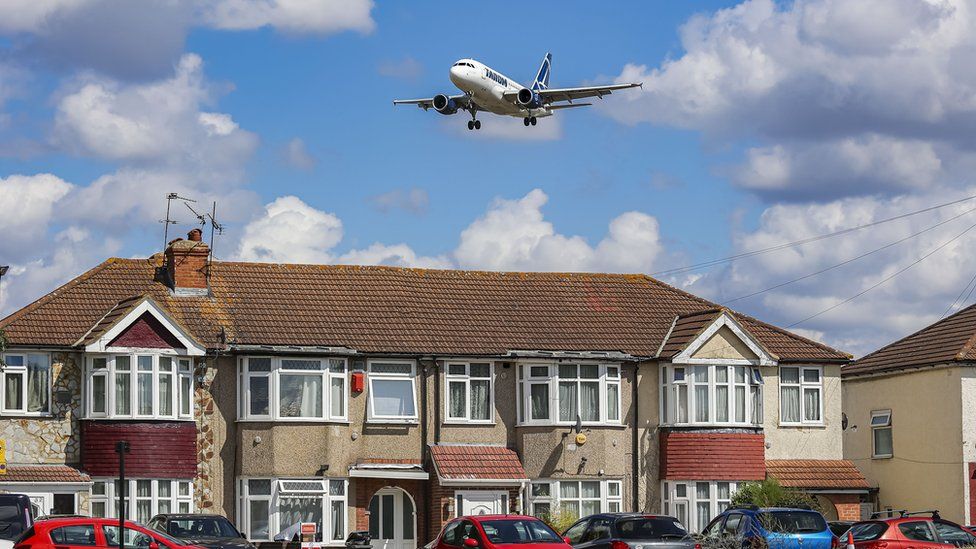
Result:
[[770, 493], [559, 519]]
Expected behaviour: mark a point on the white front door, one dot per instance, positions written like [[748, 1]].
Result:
[[392, 520], [482, 502]]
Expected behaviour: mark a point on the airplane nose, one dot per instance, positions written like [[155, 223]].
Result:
[[455, 72]]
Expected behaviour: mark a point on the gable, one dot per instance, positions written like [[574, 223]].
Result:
[[149, 333], [725, 344]]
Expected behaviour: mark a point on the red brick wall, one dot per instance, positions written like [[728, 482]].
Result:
[[147, 332], [848, 506], [158, 449], [186, 264], [699, 455], [366, 487]]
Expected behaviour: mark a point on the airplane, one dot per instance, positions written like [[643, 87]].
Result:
[[488, 90]]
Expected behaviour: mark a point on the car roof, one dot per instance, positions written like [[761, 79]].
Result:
[[480, 518], [67, 521], [188, 515]]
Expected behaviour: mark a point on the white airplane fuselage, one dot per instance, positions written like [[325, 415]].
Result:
[[487, 88]]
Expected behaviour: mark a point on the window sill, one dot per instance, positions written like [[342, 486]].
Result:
[[295, 420], [470, 423], [392, 422], [139, 418], [802, 425], [714, 425], [35, 415], [573, 424], [890, 456]]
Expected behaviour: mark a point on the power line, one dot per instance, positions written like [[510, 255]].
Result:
[[953, 304], [727, 259], [885, 279], [853, 259]]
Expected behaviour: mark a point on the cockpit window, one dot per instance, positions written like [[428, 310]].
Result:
[[463, 64]]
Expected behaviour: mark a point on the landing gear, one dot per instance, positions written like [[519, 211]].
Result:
[[526, 121], [532, 120], [529, 120], [470, 124], [474, 124], [477, 124]]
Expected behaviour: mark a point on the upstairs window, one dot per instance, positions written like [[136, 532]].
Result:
[[881, 440], [392, 391], [26, 384], [561, 393], [292, 389], [711, 395], [470, 395], [801, 395], [139, 386]]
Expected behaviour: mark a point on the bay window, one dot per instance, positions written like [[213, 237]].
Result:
[[561, 393], [292, 389], [269, 507], [392, 391], [578, 498], [801, 395], [470, 395], [711, 395], [160, 387], [695, 503], [25, 385], [145, 497]]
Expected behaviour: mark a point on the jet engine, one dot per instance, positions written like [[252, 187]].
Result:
[[529, 99], [444, 104]]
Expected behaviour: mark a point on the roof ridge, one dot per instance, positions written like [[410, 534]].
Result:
[[918, 332], [44, 299]]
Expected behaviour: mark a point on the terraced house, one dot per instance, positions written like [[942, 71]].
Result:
[[394, 399]]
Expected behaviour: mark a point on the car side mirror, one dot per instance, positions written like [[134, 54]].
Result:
[[470, 542], [566, 539]]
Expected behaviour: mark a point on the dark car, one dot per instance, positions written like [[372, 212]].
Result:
[[840, 528], [209, 531], [626, 530], [16, 517]]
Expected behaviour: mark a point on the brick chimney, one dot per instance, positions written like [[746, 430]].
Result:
[[186, 264]]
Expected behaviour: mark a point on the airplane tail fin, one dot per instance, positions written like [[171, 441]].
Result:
[[542, 78]]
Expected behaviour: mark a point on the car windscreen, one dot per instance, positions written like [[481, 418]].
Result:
[[519, 531], [650, 528], [867, 531], [202, 527], [792, 522], [13, 521]]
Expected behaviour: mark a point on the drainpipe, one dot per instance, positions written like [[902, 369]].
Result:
[[424, 500], [635, 442], [437, 404]]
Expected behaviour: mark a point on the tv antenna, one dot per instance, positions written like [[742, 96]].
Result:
[[170, 197]]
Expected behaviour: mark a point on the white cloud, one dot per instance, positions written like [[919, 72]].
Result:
[[857, 89], [291, 231], [295, 16], [414, 200], [511, 235], [406, 68], [31, 15], [898, 307], [506, 128], [28, 204], [296, 155], [157, 123]]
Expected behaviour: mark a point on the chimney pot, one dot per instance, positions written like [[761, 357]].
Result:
[[196, 235]]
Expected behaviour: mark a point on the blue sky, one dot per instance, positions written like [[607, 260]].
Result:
[[759, 123]]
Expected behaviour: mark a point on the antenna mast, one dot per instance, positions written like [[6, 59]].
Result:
[[170, 197]]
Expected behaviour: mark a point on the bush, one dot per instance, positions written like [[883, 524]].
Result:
[[770, 493], [559, 519]]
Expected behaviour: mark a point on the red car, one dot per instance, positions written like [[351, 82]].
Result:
[[489, 531], [910, 532], [84, 533]]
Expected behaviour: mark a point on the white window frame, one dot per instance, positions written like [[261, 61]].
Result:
[[671, 384], [885, 425], [22, 372], [331, 368], [465, 379], [529, 374], [179, 503], [670, 498], [182, 372], [278, 492], [803, 386], [608, 503], [372, 416]]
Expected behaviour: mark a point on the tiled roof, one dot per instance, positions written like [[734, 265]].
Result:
[[816, 473], [476, 462], [386, 309], [951, 339], [43, 473], [686, 328]]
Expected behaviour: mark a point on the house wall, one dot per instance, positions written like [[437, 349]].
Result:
[[648, 439], [215, 405], [927, 470], [54, 438], [813, 442], [967, 375]]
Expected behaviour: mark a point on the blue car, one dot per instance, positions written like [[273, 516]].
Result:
[[772, 527]]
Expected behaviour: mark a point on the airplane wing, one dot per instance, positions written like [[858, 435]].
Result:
[[569, 106], [569, 94], [463, 101]]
